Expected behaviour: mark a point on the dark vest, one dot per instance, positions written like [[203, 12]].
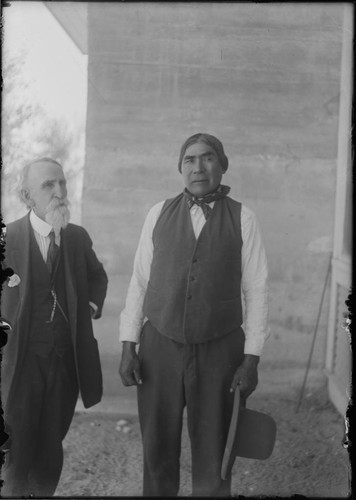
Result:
[[45, 335], [194, 290]]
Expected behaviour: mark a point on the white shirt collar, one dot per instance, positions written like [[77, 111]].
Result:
[[42, 227], [196, 207]]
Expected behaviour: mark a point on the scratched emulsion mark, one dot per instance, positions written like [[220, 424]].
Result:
[[346, 325]]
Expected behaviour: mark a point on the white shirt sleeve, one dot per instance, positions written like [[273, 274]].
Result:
[[254, 283], [132, 317]]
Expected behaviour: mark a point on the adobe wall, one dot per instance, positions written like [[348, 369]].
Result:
[[264, 78]]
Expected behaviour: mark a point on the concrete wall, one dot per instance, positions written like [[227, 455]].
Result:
[[264, 78]]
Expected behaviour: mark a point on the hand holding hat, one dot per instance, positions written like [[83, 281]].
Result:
[[252, 434], [246, 376]]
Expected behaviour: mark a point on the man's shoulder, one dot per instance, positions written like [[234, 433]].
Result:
[[75, 231], [234, 206], [233, 202], [175, 197], [248, 216], [16, 225], [156, 209], [75, 228], [247, 213], [169, 200], [155, 212], [244, 209]]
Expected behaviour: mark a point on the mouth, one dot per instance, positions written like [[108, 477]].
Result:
[[199, 181], [61, 201]]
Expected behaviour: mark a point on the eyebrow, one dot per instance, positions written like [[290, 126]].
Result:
[[49, 181], [191, 157]]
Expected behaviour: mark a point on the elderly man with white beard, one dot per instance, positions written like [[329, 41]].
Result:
[[56, 286]]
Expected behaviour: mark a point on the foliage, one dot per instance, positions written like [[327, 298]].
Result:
[[29, 131]]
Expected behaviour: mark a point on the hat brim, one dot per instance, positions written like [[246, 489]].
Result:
[[252, 434], [229, 458]]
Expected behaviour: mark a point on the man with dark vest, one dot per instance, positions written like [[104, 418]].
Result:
[[56, 287], [198, 253]]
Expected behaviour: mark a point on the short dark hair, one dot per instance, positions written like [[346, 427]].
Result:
[[207, 139]]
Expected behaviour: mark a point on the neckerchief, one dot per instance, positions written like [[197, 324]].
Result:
[[202, 201]]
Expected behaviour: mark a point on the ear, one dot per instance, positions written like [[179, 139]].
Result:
[[25, 195]]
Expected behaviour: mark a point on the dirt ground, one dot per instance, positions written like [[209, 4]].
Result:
[[103, 454]]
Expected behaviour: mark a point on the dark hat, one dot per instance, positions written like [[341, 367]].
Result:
[[212, 141], [251, 435]]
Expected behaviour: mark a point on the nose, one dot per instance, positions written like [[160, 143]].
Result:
[[199, 165], [60, 191]]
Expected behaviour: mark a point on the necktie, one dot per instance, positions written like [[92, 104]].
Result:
[[52, 252]]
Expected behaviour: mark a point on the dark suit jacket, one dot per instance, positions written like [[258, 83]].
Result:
[[85, 280]]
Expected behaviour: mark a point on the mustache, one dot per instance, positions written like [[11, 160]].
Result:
[[58, 214], [57, 203]]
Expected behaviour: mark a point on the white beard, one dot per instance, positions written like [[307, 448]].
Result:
[[58, 215]]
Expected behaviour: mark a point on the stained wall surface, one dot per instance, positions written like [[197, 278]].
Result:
[[265, 79]]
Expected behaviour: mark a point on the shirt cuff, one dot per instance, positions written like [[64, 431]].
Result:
[[255, 345], [130, 331]]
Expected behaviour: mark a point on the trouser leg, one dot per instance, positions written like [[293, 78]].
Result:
[[22, 418], [210, 368], [38, 420], [160, 405], [58, 411]]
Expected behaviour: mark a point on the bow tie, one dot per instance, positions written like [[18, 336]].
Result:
[[202, 201]]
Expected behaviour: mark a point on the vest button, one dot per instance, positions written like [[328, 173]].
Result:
[[192, 278], [189, 297], [195, 260]]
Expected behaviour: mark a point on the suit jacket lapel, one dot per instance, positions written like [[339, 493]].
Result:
[[70, 288]]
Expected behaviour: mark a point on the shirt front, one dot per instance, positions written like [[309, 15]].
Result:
[[254, 278], [41, 230]]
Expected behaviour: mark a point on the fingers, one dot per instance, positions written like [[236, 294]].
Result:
[[245, 393], [130, 375], [129, 370], [247, 389], [245, 384], [137, 376], [235, 382], [244, 388], [128, 380], [234, 385], [240, 380]]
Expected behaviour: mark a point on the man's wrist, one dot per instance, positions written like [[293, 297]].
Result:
[[251, 360], [128, 346]]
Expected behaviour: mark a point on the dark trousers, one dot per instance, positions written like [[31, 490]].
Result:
[[46, 396], [199, 377]]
